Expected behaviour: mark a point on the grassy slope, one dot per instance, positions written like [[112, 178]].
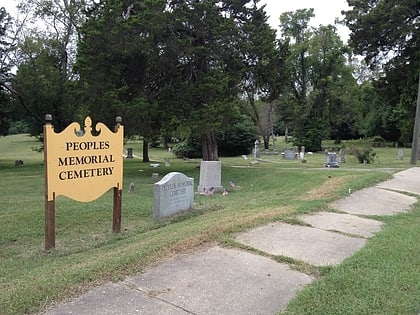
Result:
[[87, 253]]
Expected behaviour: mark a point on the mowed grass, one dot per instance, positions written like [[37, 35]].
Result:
[[87, 253]]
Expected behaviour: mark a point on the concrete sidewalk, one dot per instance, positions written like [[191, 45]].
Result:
[[230, 281]]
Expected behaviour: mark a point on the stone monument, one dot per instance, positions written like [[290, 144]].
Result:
[[210, 176], [174, 193]]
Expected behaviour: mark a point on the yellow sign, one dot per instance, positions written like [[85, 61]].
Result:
[[80, 165]]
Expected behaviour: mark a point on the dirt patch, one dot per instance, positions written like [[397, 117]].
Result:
[[327, 189]]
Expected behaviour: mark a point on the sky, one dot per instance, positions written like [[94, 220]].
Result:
[[325, 11]]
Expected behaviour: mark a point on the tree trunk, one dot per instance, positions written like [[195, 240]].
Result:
[[209, 146], [146, 151], [266, 140]]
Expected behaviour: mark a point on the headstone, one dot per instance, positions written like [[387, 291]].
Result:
[[400, 154], [256, 149], [245, 157], [18, 162], [129, 153], [289, 155], [174, 193], [342, 155], [302, 155], [131, 188], [210, 175], [331, 160], [155, 177], [167, 163], [276, 152], [266, 151]]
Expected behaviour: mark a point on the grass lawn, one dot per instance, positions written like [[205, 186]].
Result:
[[382, 278]]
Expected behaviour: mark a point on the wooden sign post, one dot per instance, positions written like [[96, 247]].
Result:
[[83, 167]]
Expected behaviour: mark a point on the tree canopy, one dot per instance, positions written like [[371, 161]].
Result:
[[386, 34], [184, 68]]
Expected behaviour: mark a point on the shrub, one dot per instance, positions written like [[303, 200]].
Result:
[[189, 148], [378, 141], [17, 127], [237, 139], [363, 154]]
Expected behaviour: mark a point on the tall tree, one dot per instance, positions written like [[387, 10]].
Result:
[[321, 83], [38, 83], [206, 37], [333, 86], [127, 77], [386, 33], [56, 36], [295, 35], [5, 44], [263, 72], [171, 62]]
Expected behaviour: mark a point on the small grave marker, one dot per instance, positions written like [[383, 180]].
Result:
[[155, 177], [400, 154], [342, 155]]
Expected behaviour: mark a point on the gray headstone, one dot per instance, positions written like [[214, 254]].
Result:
[[131, 188], [289, 155], [256, 153], [331, 160], [155, 177], [342, 155], [400, 154], [167, 163], [129, 153], [174, 193], [210, 176]]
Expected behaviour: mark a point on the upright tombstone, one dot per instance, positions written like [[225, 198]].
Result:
[[302, 154], [166, 161], [256, 149], [289, 154], [331, 160], [174, 193], [155, 177], [82, 166], [210, 176], [342, 155], [129, 153]]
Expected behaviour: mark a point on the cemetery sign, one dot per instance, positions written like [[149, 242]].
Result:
[[81, 166]]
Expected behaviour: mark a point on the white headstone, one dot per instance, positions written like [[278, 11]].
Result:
[[210, 176], [172, 194]]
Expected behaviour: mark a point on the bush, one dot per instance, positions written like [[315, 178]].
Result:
[[18, 127], [189, 148], [236, 140], [378, 141], [364, 154]]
